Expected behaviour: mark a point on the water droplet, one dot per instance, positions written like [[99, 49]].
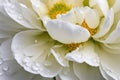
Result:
[[36, 41], [5, 68], [47, 63], [26, 59], [35, 68], [1, 61]]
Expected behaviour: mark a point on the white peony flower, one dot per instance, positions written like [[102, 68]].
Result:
[[56, 37]]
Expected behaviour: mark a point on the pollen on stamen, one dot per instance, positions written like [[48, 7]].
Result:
[[73, 46], [58, 8], [92, 31]]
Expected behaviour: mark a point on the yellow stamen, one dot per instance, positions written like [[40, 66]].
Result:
[[92, 31], [58, 8], [73, 46]]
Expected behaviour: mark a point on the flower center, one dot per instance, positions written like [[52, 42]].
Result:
[[92, 31], [58, 8], [73, 46]]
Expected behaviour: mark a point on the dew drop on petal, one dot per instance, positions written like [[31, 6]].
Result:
[[26, 59], [5, 68], [35, 68]]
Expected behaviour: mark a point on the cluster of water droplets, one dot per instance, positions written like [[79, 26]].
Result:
[[3, 68]]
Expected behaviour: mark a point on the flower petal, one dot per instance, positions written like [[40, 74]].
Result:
[[86, 72], [32, 51], [23, 15], [67, 73], [74, 3], [9, 29], [114, 36], [103, 5], [110, 63], [116, 6], [10, 69], [105, 75], [76, 15], [39, 7], [106, 25], [67, 33], [86, 54], [92, 18], [59, 51]]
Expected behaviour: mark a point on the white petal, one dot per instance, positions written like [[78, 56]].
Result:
[[103, 5], [92, 18], [105, 75], [92, 3], [39, 7], [32, 51], [59, 51], [5, 50], [23, 15], [76, 15], [116, 6], [110, 63], [8, 27], [67, 33], [74, 3], [106, 25], [114, 36], [75, 56], [68, 73], [86, 54], [9, 68], [86, 72]]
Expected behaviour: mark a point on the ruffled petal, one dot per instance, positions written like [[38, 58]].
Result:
[[92, 18], [32, 51], [68, 73], [86, 72], [76, 16], [23, 15], [114, 36], [116, 6], [10, 69], [103, 5], [110, 62], [39, 7], [86, 54], [105, 75], [65, 32], [106, 25], [59, 51]]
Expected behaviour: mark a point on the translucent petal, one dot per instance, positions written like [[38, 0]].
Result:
[[92, 18], [59, 51], [67, 33], [86, 54], [23, 15], [86, 72], [32, 51], [106, 25], [67, 73]]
